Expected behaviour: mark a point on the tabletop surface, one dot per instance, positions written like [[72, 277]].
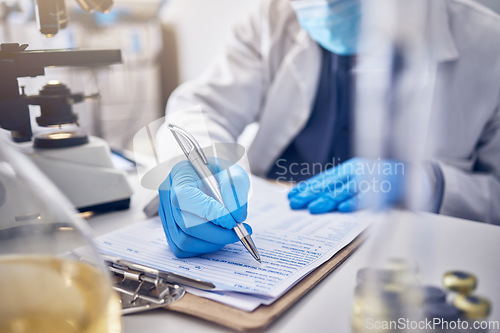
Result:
[[437, 243]]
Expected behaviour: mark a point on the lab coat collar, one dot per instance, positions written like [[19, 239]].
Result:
[[299, 76], [442, 41], [306, 61]]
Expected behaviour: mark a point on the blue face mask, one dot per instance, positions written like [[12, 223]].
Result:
[[334, 24]]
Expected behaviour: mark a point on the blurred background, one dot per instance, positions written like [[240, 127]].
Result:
[[163, 43]]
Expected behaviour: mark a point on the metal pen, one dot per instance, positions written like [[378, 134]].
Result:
[[199, 161]]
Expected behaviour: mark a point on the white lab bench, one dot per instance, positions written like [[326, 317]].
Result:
[[458, 244]]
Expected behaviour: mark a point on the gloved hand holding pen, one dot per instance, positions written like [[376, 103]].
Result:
[[193, 221]]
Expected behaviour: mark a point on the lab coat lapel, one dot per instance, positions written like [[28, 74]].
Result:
[[443, 51], [443, 44], [419, 101], [289, 101]]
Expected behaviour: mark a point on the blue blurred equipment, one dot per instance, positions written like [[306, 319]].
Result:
[[194, 222], [353, 185], [334, 24]]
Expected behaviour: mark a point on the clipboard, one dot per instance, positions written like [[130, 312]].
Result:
[[264, 315], [210, 310]]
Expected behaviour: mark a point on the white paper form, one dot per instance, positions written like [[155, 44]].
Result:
[[291, 244]]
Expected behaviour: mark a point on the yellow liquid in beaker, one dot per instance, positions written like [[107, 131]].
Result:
[[50, 294]]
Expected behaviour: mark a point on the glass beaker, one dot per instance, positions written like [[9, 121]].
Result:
[[53, 279]]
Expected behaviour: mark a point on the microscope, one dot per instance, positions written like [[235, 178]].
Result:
[[78, 164]]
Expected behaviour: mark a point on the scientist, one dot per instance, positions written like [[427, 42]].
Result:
[[290, 69]]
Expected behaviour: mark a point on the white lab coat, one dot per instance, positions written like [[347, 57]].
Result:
[[269, 75]]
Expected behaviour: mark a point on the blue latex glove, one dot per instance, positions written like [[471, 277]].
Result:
[[353, 185], [194, 222]]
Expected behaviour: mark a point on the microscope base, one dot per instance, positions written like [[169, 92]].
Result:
[[85, 174]]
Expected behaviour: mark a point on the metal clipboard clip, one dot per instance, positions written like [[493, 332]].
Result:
[[143, 288]]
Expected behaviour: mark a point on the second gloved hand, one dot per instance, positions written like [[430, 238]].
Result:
[[353, 185], [193, 221]]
